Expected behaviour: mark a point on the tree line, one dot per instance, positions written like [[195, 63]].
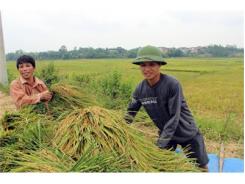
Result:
[[119, 52]]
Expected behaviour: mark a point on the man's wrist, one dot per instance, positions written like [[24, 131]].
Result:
[[161, 143]]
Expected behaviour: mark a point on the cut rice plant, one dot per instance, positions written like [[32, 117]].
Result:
[[43, 160], [79, 137], [109, 132], [9, 119], [12, 120], [7, 139], [29, 135], [53, 160], [28, 130], [36, 134], [65, 99], [72, 96], [7, 155]]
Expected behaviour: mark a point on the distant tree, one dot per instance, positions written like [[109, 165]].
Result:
[[119, 52], [217, 51], [63, 49], [63, 52], [175, 53], [132, 53]]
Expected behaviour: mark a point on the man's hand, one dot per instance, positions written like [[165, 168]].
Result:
[[46, 96], [162, 143], [129, 119]]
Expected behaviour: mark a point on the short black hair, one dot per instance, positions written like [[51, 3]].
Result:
[[25, 59]]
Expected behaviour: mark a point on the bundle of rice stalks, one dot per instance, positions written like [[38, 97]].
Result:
[[43, 160], [37, 134], [65, 98], [71, 96], [29, 130], [107, 130], [54, 160], [12, 120], [9, 119], [7, 155], [6, 140]]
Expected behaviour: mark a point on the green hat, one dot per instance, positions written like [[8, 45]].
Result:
[[148, 54]]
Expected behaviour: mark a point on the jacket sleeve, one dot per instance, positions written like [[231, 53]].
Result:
[[133, 107], [174, 108]]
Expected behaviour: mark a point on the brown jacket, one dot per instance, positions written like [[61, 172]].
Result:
[[23, 93]]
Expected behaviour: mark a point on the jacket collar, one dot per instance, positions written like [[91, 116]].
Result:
[[36, 81]]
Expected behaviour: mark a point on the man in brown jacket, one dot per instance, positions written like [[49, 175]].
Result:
[[28, 89]]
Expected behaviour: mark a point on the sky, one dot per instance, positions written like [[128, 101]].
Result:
[[33, 25]]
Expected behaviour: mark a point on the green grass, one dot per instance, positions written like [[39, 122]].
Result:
[[213, 87]]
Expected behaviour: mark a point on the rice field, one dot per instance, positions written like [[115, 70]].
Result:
[[213, 87]]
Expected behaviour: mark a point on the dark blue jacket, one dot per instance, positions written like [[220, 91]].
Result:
[[165, 104]]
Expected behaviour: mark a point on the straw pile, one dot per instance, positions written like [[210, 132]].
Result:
[[108, 131], [79, 137]]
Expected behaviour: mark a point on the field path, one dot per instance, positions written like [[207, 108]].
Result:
[[6, 104]]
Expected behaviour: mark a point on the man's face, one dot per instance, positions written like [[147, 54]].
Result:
[[150, 70], [26, 70]]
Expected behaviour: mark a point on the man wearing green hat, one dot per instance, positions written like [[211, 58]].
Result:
[[162, 97]]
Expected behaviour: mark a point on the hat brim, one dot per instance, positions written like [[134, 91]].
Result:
[[141, 60]]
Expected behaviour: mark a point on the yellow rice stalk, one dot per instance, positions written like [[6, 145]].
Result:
[[109, 132], [53, 160], [71, 96], [44, 160]]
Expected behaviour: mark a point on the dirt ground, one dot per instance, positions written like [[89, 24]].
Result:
[[232, 149], [6, 104]]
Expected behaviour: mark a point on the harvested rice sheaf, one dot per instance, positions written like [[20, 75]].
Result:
[[50, 159], [107, 130], [28, 130], [79, 137], [9, 119], [7, 156], [65, 99]]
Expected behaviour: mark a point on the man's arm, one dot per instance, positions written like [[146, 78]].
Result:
[[174, 107], [133, 108], [20, 98]]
